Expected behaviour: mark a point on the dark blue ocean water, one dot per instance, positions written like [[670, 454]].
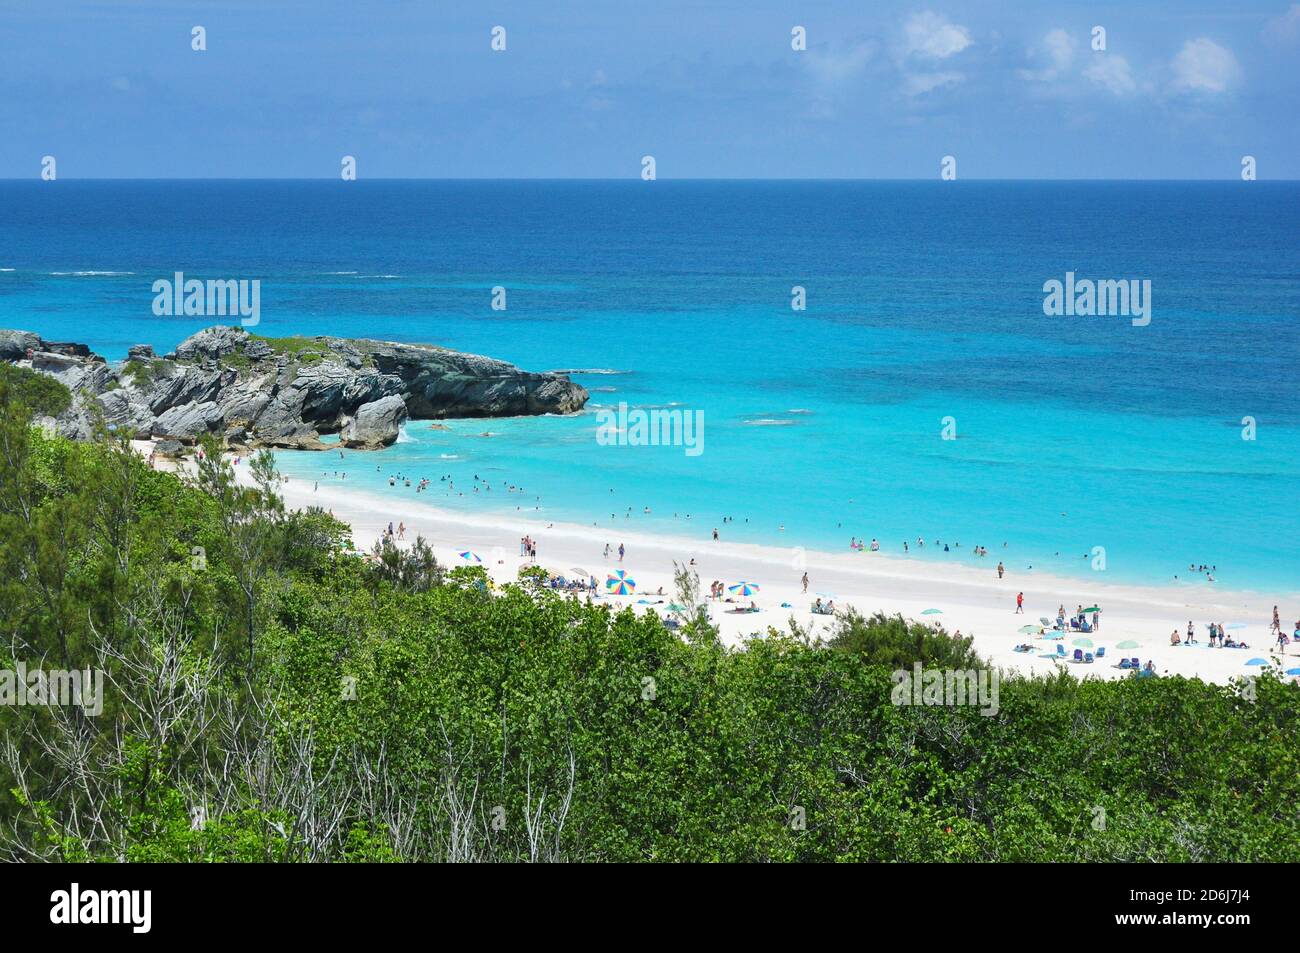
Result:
[[924, 302]]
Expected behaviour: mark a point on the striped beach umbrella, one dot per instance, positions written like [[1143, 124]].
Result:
[[744, 588], [471, 557], [619, 583]]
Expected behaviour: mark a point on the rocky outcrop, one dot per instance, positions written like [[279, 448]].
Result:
[[376, 424], [285, 392]]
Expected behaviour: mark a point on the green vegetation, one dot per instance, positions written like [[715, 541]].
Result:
[[273, 695], [41, 394], [304, 349], [144, 373]]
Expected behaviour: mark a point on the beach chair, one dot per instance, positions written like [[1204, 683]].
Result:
[[1087, 658], [1124, 663], [1101, 652], [1078, 655], [1060, 650], [1134, 663]]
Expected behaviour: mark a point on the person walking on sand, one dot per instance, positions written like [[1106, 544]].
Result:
[[1001, 570], [805, 582], [620, 552], [1020, 603], [1277, 621]]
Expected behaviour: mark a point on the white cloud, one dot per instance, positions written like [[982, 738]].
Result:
[[930, 34], [833, 67], [1111, 71], [1284, 28], [918, 84], [1202, 66], [1055, 51]]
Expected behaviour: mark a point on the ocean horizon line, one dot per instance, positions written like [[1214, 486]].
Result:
[[637, 179]]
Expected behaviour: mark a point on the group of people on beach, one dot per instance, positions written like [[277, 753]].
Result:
[[528, 548]]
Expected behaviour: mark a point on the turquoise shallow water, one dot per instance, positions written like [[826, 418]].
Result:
[[924, 302]]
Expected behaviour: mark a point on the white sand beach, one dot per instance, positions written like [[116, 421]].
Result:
[[971, 599]]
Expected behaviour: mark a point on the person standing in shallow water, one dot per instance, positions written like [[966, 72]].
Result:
[[1001, 570]]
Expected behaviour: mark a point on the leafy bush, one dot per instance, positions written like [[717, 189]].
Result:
[[40, 393]]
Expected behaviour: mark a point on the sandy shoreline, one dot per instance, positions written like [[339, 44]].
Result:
[[971, 599]]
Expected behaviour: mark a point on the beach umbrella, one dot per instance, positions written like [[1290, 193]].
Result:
[[1082, 643], [1030, 628], [578, 570], [675, 607], [744, 588], [1258, 661], [1293, 671], [1127, 644], [1092, 609], [620, 583], [1045, 620], [828, 595], [932, 612], [471, 557], [1237, 625]]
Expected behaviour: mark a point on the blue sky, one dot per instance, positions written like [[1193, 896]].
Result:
[[412, 88]]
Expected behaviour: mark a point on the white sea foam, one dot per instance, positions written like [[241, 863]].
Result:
[[91, 274]]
